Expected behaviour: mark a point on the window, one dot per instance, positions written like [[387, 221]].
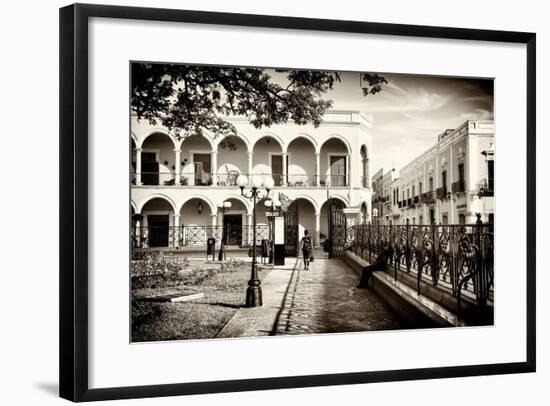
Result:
[[431, 182], [461, 219], [420, 188], [461, 174], [444, 181], [413, 191], [445, 219]]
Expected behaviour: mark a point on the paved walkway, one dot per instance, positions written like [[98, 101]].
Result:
[[323, 299]]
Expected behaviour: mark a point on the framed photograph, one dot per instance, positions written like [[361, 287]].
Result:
[[255, 202]]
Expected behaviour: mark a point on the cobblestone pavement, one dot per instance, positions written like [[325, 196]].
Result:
[[325, 299]]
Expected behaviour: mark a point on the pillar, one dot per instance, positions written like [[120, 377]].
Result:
[[317, 230], [138, 233], [317, 169], [214, 219], [138, 166], [214, 167], [283, 181], [249, 167], [348, 177], [178, 167], [176, 230]]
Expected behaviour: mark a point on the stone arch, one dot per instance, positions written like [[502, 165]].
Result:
[[310, 200], [133, 206], [364, 152], [338, 137], [312, 140], [157, 131], [156, 196], [241, 199], [270, 135], [213, 207], [239, 135]]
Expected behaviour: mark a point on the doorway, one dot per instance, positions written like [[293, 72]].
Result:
[[158, 225], [149, 168], [202, 166], [338, 170], [233, 229], [277, 168]]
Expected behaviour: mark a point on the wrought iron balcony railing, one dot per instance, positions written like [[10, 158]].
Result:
[[441, 192], [428, 197], [458, 187], [485, 188], [229, 179], [416, 200], [197, 236]]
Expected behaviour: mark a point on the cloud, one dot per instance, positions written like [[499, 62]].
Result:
[[478, 114]]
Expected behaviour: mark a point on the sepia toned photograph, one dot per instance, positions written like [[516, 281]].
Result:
[[278, 201]]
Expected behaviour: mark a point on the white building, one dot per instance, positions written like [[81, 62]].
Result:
[[382, 207], [451, 182], [178, 184]]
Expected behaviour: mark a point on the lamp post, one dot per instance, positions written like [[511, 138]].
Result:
[[223, 207], [254, 291]]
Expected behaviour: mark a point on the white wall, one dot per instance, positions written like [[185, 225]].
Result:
[[29, 352]]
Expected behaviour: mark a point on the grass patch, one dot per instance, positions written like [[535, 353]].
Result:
[[224, 289]]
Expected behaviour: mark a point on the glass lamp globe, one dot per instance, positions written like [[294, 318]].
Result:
[[269, 183], [242, 181], [256, 181], [268, 203], [227, 204]]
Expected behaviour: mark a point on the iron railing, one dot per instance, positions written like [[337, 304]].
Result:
[[180, 236], [457, 257], [485, 188], [229, 179], [458, 186]]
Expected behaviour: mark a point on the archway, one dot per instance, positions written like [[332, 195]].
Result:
[[196, 220], [157, 159], [301, 162], [267, 158], [231, 160], [364, 213], [334, 162], [336, 202], [196, 161], [158, 223], [234, 222]]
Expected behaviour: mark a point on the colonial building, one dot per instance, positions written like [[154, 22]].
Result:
[[179, 185], [451, 182], [381, 197]]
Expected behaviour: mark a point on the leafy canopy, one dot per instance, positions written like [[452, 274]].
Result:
[[188, 99]]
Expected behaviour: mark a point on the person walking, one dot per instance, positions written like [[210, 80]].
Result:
[[306, 247]]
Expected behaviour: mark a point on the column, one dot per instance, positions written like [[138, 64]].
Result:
[[317, 230], [348, 162], [317, 169], [138, 166], [214, 165], [138, 234], [249, 168], [284, 174], [178, 167], [451, 177], [214, 220], [176, 230]]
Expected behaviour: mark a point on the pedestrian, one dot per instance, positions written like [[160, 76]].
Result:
[[306, 247]]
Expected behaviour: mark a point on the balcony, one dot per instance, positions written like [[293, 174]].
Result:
[[409, 202], [441, 193], [458, 187], [416, 200], [485, 188], [428, 197], [229, 179]]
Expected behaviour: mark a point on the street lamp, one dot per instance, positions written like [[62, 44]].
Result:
[[254, 291], [223, 207]]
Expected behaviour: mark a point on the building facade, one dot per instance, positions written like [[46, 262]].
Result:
[[382, 207], [179, 185], [451, 182]]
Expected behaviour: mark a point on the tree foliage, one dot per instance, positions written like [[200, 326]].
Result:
[[188, 99]]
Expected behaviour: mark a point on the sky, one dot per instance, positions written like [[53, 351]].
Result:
[[412, 110]]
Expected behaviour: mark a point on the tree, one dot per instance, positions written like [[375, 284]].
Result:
[[188, 99]]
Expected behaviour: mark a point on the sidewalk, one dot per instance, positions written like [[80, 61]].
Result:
[[323, 299]]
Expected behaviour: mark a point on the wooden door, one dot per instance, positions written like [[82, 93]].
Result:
[[338, 170], [149, 168], [277, 169]]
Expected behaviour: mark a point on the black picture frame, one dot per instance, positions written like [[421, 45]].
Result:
[[73, 279]]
